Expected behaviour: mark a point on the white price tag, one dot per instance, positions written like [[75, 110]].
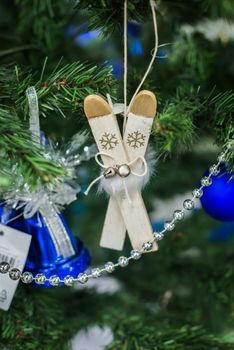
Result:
[[14, 246]]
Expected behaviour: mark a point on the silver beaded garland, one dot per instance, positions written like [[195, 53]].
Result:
[[82, 278], [178, 215], [158, 236], [68, 281], [54, 280], [123, 261], [96, 272], [169, 226], [14, 274], [188, 204], [206, 181], [27, 277], [147, 246], [221, 157], [109, 267], [198, 193], [214, 169], [135, 254], [4, 267], [40, 278]]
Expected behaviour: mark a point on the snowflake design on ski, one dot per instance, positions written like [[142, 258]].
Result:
[[136, 139], [108, 141]]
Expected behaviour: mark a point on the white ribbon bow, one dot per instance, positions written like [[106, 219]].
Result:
[[115, 170]]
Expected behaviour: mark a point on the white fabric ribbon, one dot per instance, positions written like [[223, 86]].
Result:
[[34, 121], [117, 108]]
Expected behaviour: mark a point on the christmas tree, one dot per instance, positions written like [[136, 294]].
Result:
[[180, 297]]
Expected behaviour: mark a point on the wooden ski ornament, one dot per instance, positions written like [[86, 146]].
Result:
[[136, 138], [110, 144]]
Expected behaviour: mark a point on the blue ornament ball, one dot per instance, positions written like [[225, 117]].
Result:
[[218, 198]]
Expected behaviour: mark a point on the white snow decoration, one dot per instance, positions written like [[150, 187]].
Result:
[[102, 285], [183, 291], [191, 253], [92, 338], [219, 29]]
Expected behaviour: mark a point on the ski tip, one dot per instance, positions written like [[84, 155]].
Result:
[[144, 104], [95, 106]]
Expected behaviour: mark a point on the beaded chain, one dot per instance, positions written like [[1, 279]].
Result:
[[123, 261]]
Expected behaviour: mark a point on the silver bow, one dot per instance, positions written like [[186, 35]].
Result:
[[48, 201]]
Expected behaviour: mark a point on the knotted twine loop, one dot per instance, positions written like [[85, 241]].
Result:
[[155, 49], [116, 166]]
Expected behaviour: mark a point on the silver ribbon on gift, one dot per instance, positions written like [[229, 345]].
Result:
[[42, 204]]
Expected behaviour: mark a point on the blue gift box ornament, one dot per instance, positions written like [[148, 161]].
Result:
[[54, 250], [48, 255]]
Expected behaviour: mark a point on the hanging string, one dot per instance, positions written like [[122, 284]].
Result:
[[153, 9], [127, 109], [125, 62]]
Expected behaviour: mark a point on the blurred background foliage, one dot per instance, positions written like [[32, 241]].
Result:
[[68, 49]]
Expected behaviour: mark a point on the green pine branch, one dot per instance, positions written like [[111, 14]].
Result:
[[173, 127], [22, 160], [223, 106], [183, 118], [108, 14], [61, 91], [45, 20]]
